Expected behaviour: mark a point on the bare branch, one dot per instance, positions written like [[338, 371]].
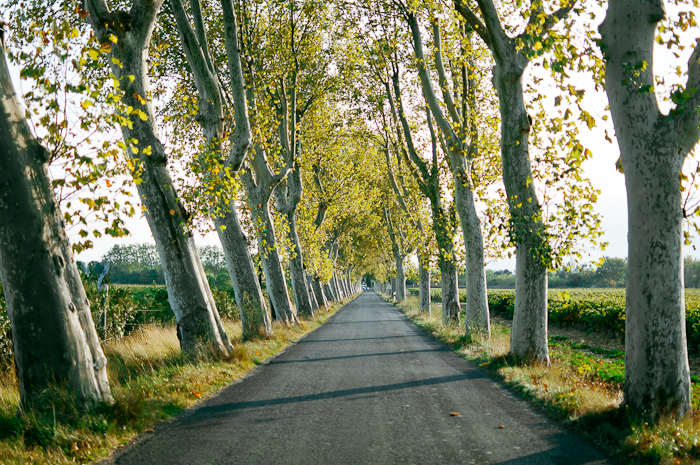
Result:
[[442, 79], [242, 138]]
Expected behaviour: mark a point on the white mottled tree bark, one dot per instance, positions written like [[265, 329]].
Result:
[[255, 317], [424, 291], [190, 298], [529, 332], [312, 294], [477, 319], [443, 220], [653, 147], [53, 334], [320, 294], [259, 193], [288, 195]]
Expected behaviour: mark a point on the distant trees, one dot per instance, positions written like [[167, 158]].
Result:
[[140, 264], [610, 273]]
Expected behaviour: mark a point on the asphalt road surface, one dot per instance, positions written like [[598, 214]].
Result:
[[366, 387]]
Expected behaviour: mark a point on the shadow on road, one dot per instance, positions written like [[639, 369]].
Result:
[[558, 454], [309, 340], [344, 357], [206, 413]]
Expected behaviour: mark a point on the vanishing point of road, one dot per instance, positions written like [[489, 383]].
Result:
[[368, 386]]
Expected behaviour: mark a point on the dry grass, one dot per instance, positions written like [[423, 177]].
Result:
[[151, 382], [572, 390]]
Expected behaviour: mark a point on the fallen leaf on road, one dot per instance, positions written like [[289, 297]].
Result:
[[454, 414], [501, 426], [150, 430]]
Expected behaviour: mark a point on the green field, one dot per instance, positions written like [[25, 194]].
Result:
[[590, 309]]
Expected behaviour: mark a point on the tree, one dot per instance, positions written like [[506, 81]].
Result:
[[54, 337], [255, 318], [611, 273], [653, 147], [402, 193], [125, 36], [528, 227], [460, 154]]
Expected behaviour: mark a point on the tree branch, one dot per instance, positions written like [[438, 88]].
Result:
[[442, 79], [689, 111], [475, 23], [241, 139], [404, 124], [427, 85]]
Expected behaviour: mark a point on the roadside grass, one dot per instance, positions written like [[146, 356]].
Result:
[[151, 381], [582, 387]]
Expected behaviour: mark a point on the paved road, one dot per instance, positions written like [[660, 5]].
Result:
[[366, 387]]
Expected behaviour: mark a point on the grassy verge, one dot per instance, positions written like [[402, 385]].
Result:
[[151, 381], [581, 387]]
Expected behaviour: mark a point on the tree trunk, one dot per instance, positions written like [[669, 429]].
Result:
[[312, 293], [653, 147], [400, 278], [477, 320], [274, 273], [529, 332], [328, 290], [657, 375], [255, 317], [336, 288], [424, 288], [296, 268], [450, 292], [53, 333], [188, 288], [320, 295], [528, 338]]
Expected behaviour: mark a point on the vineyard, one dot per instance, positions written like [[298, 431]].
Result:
[[589, 309]]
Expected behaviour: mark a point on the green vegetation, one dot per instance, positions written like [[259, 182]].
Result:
[[596, 310], [128, 308], [589, 309], [581, 387]]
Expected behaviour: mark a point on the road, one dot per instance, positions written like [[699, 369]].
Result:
[[366, 387]]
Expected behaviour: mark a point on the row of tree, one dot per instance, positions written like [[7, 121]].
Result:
[[436, 114], [248, 123], [339, 138]]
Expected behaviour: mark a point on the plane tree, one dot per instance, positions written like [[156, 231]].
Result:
[[549, 221], [653, 148], [54, 336], [125, 37], [215, 168]]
